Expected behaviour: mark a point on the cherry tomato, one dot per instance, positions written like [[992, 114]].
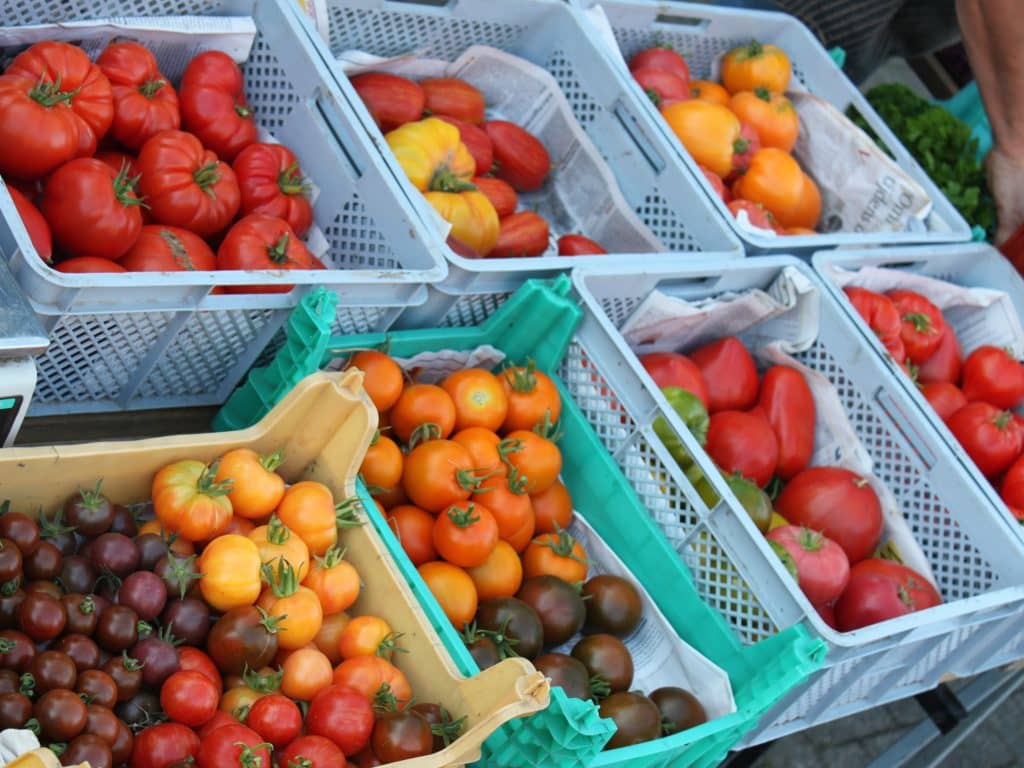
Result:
[[308, 510], [164, 745], [479, 398], [423, 412], [500, 575], [370, 674], [414, 529], [382, 378], [555, 554], [366, 636], [233, 745], [401, 736], [276, 719], [256, 488], [534, 460], [453, 589], [439, 473], [312, 752], [552, 508], [194, 660], [341, 715], [328, 638], [532, 398], [382, 464], [465, 534], [306, 672], [189, 698]]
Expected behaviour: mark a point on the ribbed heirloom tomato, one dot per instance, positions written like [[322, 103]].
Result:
[[771, 114], [882, 317], [308, 510], [661, 57], [705, 90], [188, 500], [296, 607], [276, 542], [36, 226], [366, 636], [264, 242], [756, 65], [334, 580], [256, 489], [145, 102], [213, 105], [163, 248], [479, 145], [271, 182], [922, 324]]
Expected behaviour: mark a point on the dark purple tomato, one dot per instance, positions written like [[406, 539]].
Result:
[[53, 529], [41, 616], [401, 735], [21, 529], [159, 660], [82, 650], [513, 623], [140, 710], [10, 561], [484, 651], [15, 710], [679, 709], [46, 587], [90, 749], [44, 563], [52, 670], [122, 746], [10, 598], [117, 628], [636, 718], [188, 620], [126, 673], [114, 552], [61, 715], [612, 604], [98, 686], [607, 660], [558, 604], [16, 650], [10, 682], [82, 613], [77, 574], [241, 638], [151, 548], [444, 727], [144, 592], [89, 511], [101, 721], [179, 574], [124, 521], [567, 673]]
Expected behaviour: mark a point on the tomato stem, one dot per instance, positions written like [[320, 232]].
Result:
[[206, 176], [740, 146], [291, 181], [270, 623], [463, 518], [810, 541], [523, 378], [562, 544], [331, 558], [277, 532], [10, 587], [130, 663], [283, 583], [424, 433], [182, 572], [150, 87], [346, 513], [763, 93], [51, 527], [389, 645], [599, 688], [207, 485], [444, 180], [48, 93], [754, 49], [922, 323], [449, 730], [244, 111], [384, 700], [546, 429], [267, 683], [124, 188], [248, 757]]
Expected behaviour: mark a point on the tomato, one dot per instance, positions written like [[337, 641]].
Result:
[[743, 150], [552, 508], [401, 736], [522, 234], [382, 378], [661, 85], [391, 100], [162, 248], [164, 745], [606, 657], [555, 554], [414, 529], [329, 636], [534, 461], [375, 678], [944, 397], [188, 500], [308, 510], [663, 58], [477, 142], [500, 193], [881, 590], [756, 65], [729, 373], [186, 185], [669, 369], [719, 186], [837, 503], [423, 412], [578, 245], [818, 563], [510, 505], [334, 581], [433, 157], [219, 720], [439, 473], [213, 105], [474, 221], [882, 317], [500, 575], [803, 218], [788, 405], [194, 660], [482, 445], [55, 104], [276, 544], [775, 180], [708, 132], [757, 215], [532, 398], [145, 103], [922, 324], [705, 90], [521, 158], [743, 443], [637, 719], [270, 182], [263, 242], [992, 376], [991, 437], [276, 719], [296, 607], [1011, 489], [366, 636], [256, 489], [233, 745], [342, 715], [453, 97], [305, 673], [944, 364], [230, 568], [771, 114], [465, 534], [453, 589], [91, 208], [35, 224], [189, 698], [311, 752], [479, 399]]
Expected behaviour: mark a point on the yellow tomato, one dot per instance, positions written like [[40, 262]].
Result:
[[230, 572], [275, 540], [296, 608]]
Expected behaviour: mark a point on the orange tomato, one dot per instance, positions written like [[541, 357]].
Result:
[[188, 501], [230, 572], [423, 412], [305, 673], [382, 465], [369, 674], [756, 65], [453, 589], [178, 545], [437, 474], [532, 397], [367, 636], [256, 489], [479, 397], [482, 445], [389, 498], [329, 636], [808, 210], [308, 510], [771, 114], [708, 131], [552, 508], [414, 529], [242, 691], [555, 554], [801, 231], [500, 575], [297, 608], [382, 378], [239, 525], [535, 461], [275, 540], [520, 539], [465, 534], [706, 90], [774, 180], [334, 580], [511, 509]]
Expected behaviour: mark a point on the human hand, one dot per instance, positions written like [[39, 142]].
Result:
[[1006, 182]]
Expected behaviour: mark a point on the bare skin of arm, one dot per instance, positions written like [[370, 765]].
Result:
[[993, 31]]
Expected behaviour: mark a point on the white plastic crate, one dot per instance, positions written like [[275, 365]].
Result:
[[547, 33], [701, 33], [147, 340]]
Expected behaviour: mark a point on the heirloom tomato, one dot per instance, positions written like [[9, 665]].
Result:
[[743, 443], [521, 234], [821, 567], [295, 607], [706, 90], [474, 220], [882, 317], [757, 215], [945, 363], [277, 543], [578, 245], [991, 375], [944, 397], [334, 580], [308, 509], [213, 105], [1011, 490], [661, 85], [476, 141], [670, 369], [757, 65], [500, 193], [990, 436], [368, 674], [35, 224], [432, 155], [922, 326], [729, 373], [271, 182], [276, 718], [233, 745], [661, 57], [391, 100], [880, 590], [788, 405], [453, 97], [521, 159], [256, 489], [305, 673], [771, 114], [263, 242], [163, 248], [708, 131], [312, 752], [775, 180], [145, 102], [230, 572], [188, 501]]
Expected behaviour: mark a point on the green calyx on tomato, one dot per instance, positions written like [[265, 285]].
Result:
[[267, 683], [546, 429], [562, 544], [448, 730], [763, 93], [181, 570], [125, 188], [463, 518], [751, 51], [330, 558], [277, 532], [278, 252], [48, 93], [346, 513], [424, 433], [291, 181], [283, 583], [389, 645], [444, 180], [600, 688], [206, 176], [150, 88], [272, 461], [269, 623], [243, 111], [523, 378], [921, 322], [53, 526], [386, 701], [694, 416], [248, 758]]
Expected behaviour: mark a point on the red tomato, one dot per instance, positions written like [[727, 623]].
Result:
[[922, 324], [789, 407], [723, 192], [882, 317], [664, 58], [670, 369], [991, 375], [1011, 490], [743, 150], [522, 160], [945, 363], [522, 234], [92, 210], [661, 85], [276, 719], [164, 745], [839, 504], [391, 100], [145, 103], [186, 185], [500, 193], [213, 105], [827, 613], [342, 715], [219, 720], [88, 264], [453, 97], [477, 142], [822, 568], [55, 105], [944, 397], [163, 248], [36, 226], [271, 182], [189, 698], [262, 242], [990, 436], [743, 443], [880, 590], [311, 752], [193, 659], [729, 373], [578, 245], [757, 214], [233, 745]]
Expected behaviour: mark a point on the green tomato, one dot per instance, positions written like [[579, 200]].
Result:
[[694, 415], [755, 501]]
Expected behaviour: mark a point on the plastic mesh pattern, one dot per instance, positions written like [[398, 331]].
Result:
[[473, 310], [660, 216], [356, 240], [561, 68], [267, 86]]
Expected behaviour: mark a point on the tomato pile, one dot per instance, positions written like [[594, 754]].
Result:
[[740, 132], [975, 397], [197, 635], [825, 522], [469, 168], [113, 170]]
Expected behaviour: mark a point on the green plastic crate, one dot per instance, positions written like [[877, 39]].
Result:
[[538, 321]]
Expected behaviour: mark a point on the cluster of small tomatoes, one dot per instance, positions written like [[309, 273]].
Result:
[[741, 132], [469, 168], [130, 174]]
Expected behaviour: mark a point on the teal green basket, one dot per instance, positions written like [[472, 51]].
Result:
[[538, 322]]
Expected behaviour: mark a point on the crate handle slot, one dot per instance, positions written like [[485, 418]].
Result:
[[636, 133], [682, 21], [918, 444], [327, 113], [431, 3]]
